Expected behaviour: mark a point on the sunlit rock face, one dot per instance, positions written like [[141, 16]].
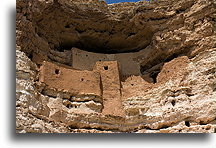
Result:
[[171, 42]]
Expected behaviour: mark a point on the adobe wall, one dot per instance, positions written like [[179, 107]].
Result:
[[111, 87], [85, 60], [73, 81], [103, 81]]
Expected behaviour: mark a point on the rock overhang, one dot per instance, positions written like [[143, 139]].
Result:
[[97, 30], [183, 27]]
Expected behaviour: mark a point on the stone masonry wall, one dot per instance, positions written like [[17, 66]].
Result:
[[111, 87], [71, 81], [85, 60]]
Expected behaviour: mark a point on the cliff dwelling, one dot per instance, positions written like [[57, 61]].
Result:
[[90, 74], [134, 67], [105, 80]]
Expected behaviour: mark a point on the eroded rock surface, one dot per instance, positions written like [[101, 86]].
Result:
[[175, 92]]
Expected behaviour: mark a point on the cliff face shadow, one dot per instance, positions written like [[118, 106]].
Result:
[[113, 137], [12, 71]]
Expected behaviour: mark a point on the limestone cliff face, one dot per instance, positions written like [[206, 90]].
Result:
[[175, 40]]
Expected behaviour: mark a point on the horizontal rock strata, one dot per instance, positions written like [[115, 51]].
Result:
[[174, 93]]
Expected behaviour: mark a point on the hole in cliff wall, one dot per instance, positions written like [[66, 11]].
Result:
[[68, 106], [150, 75], [30, 56], [187, 123], [73, 126], [173, 56], [173, 102], [202, 123], [144, 69], [154, 75], [62, 47], [67, 26]]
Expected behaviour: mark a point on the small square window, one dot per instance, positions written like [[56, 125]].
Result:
[[106, 68]]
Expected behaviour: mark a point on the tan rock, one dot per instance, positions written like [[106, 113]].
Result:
[[172, 92]]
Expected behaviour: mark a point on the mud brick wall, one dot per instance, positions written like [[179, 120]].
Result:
[[111, 86], [73, 81]]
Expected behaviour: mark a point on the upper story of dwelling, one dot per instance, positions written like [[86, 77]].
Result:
[[84, 60]]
